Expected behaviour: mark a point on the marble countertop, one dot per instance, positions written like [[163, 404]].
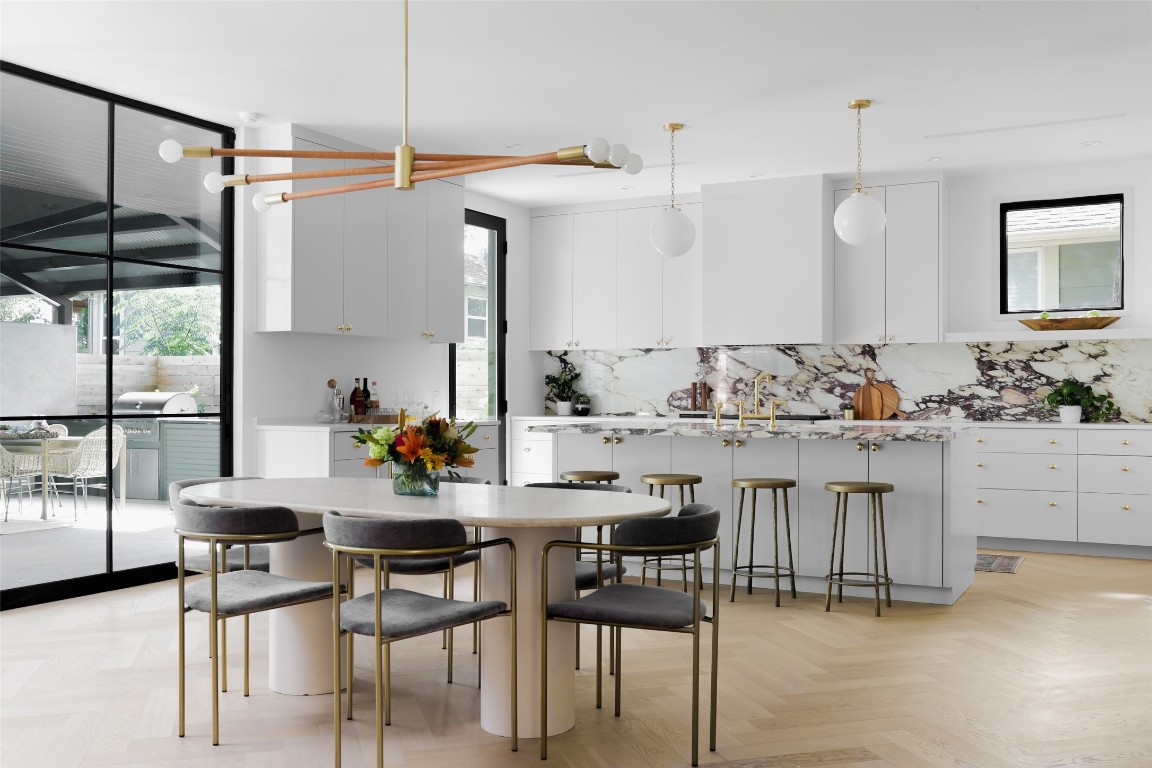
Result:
[[820, 430], [290, 422], [665, 421]]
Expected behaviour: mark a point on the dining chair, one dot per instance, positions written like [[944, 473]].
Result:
[[469, 480], [234, 593], [389, 614], [89, 461], [616, 606], [21, 468], [247, 556]]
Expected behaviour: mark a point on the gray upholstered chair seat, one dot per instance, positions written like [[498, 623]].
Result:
[[240, 592], [404, 613], [631, 605], [258, 558], [421, 566], [586, 573]]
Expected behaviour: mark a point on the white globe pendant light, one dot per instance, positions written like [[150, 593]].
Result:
[[861, 217], [673, 233]]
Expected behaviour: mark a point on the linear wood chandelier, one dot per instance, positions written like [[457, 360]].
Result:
[[405, 166]]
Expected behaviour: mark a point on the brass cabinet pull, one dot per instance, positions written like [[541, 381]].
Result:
[[1123, 442], [979, 463], [875, 447], [891, 337], [617, 440], [348, 327], [859, 446], [1125, 507], [879, 338], [605, 439], [1051, 503], [526, 450], [487, 437], [739, 443], [724, 443], [1124, 469], [979, 439], [1051, 466], [979, 501], [1053, 441]]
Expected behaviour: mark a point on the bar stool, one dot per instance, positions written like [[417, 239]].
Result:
[[875, 577], [662, 480], [750, 570], [590, 476]]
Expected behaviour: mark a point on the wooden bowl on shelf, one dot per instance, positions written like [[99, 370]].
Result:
[[1069, 323]]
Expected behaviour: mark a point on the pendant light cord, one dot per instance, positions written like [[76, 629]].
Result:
[[859, 151], [405, 125], [672, 152]]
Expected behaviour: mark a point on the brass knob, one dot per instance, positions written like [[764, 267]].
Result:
[[1053, 441], [979, 463], [605, 439], [891, 338], [979, 501], [1123, 442], [859, 446], [979, 439], [1125, 507], [879, 338], [617, 440], [875, 447], [1051, 466], [1051, 503], [340, 327], [576, 343], [487, 437], [739, 443], [1124, 469], [725, 443], [348, 327], [526, 450]]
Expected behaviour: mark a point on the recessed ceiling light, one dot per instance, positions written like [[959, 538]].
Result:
[[756, 176], [1092, 143], [627, 187], [934, 159], [513, 146], [250, 117]]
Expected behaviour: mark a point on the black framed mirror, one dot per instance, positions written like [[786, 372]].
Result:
[[1062, 255]]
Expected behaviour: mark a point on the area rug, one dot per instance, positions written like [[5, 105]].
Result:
[[28, 526], [998, 563]]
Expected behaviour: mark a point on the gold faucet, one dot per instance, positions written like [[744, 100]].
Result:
[[772, 412], [719, 406], [756, 412]]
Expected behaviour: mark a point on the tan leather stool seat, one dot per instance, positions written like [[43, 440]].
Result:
[[752, 569], [671, 479], [878, 546], [590, 476]]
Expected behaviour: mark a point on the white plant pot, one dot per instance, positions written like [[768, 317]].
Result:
[[564, 409], [1070, 414]]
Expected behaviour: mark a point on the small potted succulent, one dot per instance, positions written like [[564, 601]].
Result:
[[581, 404], [1077, 402], [562, 387]]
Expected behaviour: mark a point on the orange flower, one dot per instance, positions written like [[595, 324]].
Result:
[[410, 444], [465, 461], [373, 462]]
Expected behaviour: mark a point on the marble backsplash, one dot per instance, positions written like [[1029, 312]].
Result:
[[1001, 381]]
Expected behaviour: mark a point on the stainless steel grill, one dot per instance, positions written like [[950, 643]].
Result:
[[153, 403]]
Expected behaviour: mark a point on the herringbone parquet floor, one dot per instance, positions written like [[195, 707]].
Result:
[[1050, 666]]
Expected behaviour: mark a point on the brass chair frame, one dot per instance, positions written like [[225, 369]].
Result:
[[383, 681], [618, 552]]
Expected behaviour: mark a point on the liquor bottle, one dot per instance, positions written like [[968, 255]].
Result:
[[375, 404], [356, 400], [367, 397]]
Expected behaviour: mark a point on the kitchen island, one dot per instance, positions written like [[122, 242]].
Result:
[[930, 520]]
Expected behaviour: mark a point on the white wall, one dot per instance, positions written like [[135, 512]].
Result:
[[37, 369], [974, 241]]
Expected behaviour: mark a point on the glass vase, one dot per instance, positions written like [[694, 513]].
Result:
[[411, 482]]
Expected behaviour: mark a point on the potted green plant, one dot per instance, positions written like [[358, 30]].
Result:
[[581, 404], [1077, 402], [562, 387]]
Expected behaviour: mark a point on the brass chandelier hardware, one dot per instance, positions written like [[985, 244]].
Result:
[[405, 166]]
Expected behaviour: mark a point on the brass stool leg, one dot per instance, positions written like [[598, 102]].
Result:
[[884, 547], [684, 558], [736, 546], [752, 543], [788, 534], [875, 549], [832, 557], [843, 536], [775, 546]]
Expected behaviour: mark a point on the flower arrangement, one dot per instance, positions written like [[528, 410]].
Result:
[[430, 446]]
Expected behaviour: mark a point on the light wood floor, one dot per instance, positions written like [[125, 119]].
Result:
[[1050, 666]]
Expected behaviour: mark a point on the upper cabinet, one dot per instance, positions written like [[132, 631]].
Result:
[[597, 282], [768, 278], [380, 263], [888, 289]]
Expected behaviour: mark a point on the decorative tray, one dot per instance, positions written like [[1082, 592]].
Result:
[[1069, 323]]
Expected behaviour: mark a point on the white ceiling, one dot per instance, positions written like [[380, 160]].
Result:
[[762, 86]]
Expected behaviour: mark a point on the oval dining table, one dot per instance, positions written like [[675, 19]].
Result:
[[300, 637]]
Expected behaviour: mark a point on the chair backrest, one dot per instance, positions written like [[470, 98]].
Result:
[[694, 524], [176, 486], [582, 486], [464, 479], [376, 533], [234, 523], [58, 430]]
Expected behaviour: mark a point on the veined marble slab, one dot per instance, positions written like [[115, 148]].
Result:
[[846, 431]]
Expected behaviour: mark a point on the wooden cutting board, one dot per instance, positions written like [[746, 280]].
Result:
[[868, 401], [891, 400]]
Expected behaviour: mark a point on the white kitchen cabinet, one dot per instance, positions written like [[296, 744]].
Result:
[[630, 455], [530, 455], [573, 270], [658, 298], [888, 289], [426, 262], [1115, 518], [321, 262], [768, 277], [487, 459], [310, 450], [1115, 484], [913, 512]]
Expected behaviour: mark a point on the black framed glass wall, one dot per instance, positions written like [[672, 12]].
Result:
[[115, 278]]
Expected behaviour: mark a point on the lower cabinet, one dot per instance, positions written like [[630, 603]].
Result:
[[487, 459], [1022, 514]]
